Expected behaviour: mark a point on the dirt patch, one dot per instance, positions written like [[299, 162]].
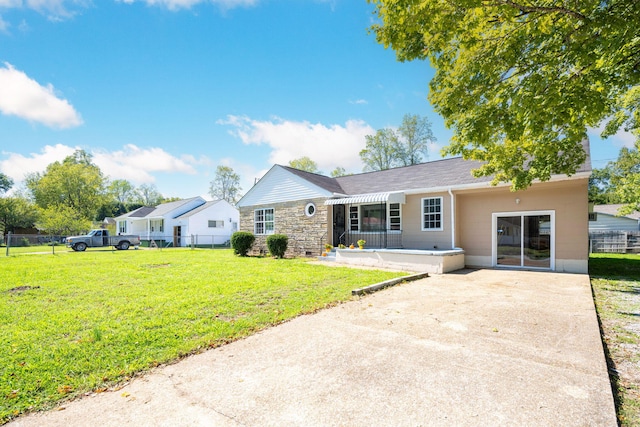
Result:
[[20, 289]]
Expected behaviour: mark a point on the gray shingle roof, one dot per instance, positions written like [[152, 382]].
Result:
[[451, 172], [613, 210]]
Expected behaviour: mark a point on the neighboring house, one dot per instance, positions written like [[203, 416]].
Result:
[[606, 218], [182, 223], [437, 205]]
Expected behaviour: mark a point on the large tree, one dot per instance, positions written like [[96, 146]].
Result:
[[75, 182], [415, 135], [225, 185], [625, 178], [519, 82], [382, 150], [16, 212], [148, 195], [305, 164], [62, 221]]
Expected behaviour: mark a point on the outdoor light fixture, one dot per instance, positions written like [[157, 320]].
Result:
[[517, 201]]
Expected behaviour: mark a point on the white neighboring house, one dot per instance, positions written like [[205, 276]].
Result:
[[182, 223], [606, 218]]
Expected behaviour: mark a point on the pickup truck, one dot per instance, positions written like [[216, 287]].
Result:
[[101, 238]]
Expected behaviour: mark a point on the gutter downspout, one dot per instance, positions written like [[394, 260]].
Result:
[[453, 219]]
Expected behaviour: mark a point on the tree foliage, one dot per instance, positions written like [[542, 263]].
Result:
[[62, 220], [382, 150], [305, 164], [148, 195], [338, 171], [625, 178], [415, 135], [5, 183], [520, 82], [225, 185], [16, 212], [75, 183], [405, 146]]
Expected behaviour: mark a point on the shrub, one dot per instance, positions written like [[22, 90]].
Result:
[[241, 242], [277, 244]]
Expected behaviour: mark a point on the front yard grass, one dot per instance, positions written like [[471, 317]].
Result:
[[615, 280], [73, 323]]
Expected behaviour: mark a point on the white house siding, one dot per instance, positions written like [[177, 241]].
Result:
[[280, 185], [196, 230], [608, 222]]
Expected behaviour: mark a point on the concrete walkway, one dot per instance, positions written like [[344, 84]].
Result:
[[473, 348]]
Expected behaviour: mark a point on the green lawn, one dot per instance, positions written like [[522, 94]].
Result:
[[615, 280], [75, 322]]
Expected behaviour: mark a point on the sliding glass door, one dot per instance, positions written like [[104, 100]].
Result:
[[524, 239]]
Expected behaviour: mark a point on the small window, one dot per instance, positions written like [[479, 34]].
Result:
[[432, 214], [353, 218], [310, 209], [216, 224], [394, 216], [263, 221]]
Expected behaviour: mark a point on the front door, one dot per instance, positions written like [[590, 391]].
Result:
[[177, 233], [524, 239], [338, 224]]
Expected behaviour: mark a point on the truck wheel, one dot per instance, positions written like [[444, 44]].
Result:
[[124, 246], [80, 247]]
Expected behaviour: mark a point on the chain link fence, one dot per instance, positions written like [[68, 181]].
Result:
[[41, 243]]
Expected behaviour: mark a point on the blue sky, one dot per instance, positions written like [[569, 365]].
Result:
[[163, 91]]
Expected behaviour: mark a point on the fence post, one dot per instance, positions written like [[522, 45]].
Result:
[[8, 242]]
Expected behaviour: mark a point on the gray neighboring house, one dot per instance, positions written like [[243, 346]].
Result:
[[606, 218]]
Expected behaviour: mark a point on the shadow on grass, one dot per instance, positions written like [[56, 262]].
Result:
[[614, 267]]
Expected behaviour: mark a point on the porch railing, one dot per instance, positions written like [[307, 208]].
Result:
[[375, 239]]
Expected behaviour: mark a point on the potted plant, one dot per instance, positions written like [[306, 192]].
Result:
[[361, 243], [351, 246], [328, 247]]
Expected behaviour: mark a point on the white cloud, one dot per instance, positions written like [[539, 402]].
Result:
[[23, 97], [186, 4], [132, 163], [17, 166], [359, 102], [328, 146], [4, 25], [137, 164], [621, 139]]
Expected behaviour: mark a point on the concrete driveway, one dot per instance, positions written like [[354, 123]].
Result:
[[478, 347]]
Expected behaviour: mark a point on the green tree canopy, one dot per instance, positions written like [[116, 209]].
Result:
[[338, 171], [5, 183], [122, 191], [305, 164], [520, 82], [16, 212], [382, 150], [415, 135], [625, 178], [75, 182], [225, 185], [63, 221], [148, 195]]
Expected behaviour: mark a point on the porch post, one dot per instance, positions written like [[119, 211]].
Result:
[[453, 219]]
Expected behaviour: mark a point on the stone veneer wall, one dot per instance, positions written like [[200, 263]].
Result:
[[307, 235]]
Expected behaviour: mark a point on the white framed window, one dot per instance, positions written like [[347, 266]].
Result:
[[395, 222], [216, 224], [263, 221], [122, 227], [432, 214], [310, 209]]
